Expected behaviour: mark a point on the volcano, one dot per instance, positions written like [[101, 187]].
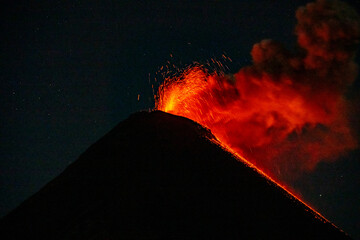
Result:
[[160, 176]]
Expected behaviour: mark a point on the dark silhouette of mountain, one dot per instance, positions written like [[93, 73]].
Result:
[[159, 176]]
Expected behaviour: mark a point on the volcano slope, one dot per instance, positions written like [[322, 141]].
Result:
[[160, 176]]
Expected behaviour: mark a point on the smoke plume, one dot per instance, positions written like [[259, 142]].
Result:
[[288, 111]]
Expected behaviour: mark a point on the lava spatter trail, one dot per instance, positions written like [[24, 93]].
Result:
[[288, 111]]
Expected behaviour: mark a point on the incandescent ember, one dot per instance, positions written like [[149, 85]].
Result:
[[287, 111]]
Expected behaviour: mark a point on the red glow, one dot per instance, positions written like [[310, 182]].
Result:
[[214, 102], [287, 111], [282, 126]]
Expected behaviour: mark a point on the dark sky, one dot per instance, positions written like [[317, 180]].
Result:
[[71, 70]]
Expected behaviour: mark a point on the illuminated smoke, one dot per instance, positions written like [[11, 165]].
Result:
[[287, 111]]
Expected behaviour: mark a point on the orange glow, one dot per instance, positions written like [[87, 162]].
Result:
[[245, 123], [283, 126], [286, 112]]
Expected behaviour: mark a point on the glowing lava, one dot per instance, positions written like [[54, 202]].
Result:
[[263, 120], [195, 95], [287, 111]]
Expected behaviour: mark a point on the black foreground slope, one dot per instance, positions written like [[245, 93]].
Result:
[[154, 176]]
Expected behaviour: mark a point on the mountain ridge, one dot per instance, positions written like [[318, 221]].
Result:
[[156, 175]]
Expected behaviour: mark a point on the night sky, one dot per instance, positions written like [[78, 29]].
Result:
[[70, 71]]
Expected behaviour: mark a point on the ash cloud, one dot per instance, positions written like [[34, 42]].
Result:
[[329, 33], [288, 111], [321, 71]]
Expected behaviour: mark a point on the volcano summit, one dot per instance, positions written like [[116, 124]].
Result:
[[160, 176]]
